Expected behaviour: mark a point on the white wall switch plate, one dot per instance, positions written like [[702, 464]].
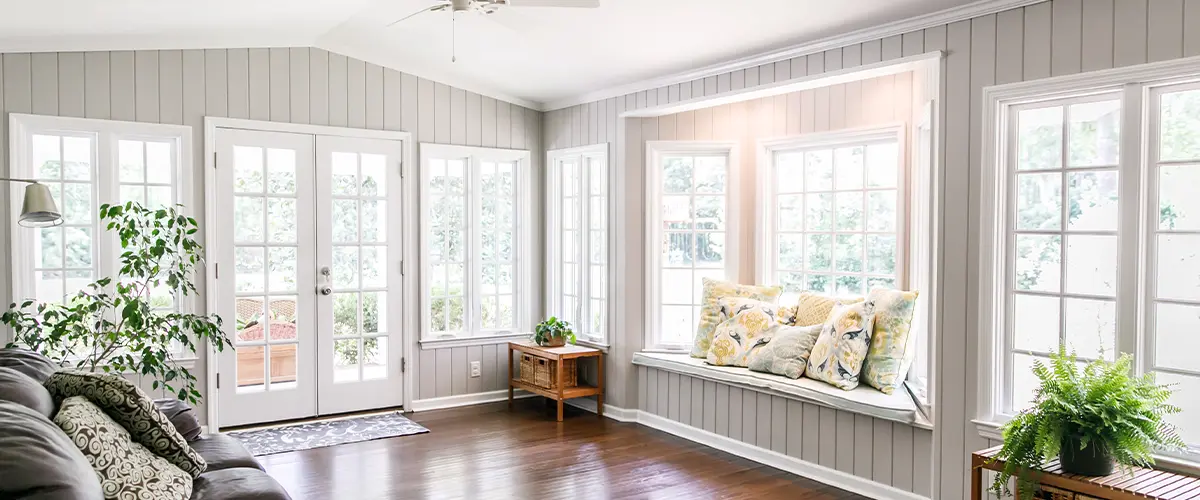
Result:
[[474, 369]]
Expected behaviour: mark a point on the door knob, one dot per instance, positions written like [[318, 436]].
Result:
[[325, 290]]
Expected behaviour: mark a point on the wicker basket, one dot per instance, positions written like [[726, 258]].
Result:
[[543, 372], [1052, 493]]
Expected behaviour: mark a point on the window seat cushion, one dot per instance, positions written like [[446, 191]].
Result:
[[897, 407]]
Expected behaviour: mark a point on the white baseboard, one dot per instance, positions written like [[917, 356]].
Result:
[[610, 411], [832, 477], [466, 400]]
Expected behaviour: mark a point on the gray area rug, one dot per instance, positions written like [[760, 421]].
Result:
[[309, 435]]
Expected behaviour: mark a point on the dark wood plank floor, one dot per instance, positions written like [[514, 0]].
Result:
[[486, 452]]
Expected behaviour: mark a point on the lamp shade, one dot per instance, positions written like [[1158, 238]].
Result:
[[39, 209]]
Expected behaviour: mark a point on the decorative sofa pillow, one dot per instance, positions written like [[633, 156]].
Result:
[[714, 291], [814, 309], [892, 347], [38, 461], [838, 355], [787, 350], [742, 332], [20, 388], [126, 469], [131, 408]]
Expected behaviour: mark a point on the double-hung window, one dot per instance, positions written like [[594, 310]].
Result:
[[86, 163], [691, 233], [1093, 242], [475, 242], [577, 228]]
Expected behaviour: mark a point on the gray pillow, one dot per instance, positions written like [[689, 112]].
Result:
[[39, 462], [787, 351], [181, 416], [35, 365], [19, 388]]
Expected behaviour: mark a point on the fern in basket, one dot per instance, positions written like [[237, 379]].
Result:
[[1091, 418]]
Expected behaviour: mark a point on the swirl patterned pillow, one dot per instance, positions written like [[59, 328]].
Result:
[[133, 410], [127, 470], [892, 348], [742, 332], [838, 356], [787, 351], [710, 309]]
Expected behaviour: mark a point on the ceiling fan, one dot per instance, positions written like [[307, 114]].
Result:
[[490, 6]]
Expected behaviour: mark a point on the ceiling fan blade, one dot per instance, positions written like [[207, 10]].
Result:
[[586, 4], [434, 8]]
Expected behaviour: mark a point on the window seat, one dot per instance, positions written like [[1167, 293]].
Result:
[[897, 407]]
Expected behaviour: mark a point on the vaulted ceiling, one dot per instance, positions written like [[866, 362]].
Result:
[[527, 54]]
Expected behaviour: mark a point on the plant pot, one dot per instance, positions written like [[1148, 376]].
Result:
[[1092, 461], [555, 342]]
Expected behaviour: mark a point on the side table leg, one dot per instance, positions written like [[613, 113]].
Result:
[[561, 369], [600, 377], [510, 378], [976, 481]]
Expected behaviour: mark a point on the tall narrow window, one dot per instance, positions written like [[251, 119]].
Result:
[[691, 233], [65, 257], [578, 249]]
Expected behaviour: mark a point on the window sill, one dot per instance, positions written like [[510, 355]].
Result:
[[897, 407], [594, 345], [427, 344]]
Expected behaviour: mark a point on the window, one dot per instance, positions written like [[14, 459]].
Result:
[[577, 227], [1092, 244], [476, 238], [690, 191], [833, 208], [86, 163]]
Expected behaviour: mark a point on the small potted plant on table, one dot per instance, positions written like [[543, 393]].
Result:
[[553, 333], [1090, 419]]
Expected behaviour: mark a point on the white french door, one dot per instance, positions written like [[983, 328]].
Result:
[[307, 249]]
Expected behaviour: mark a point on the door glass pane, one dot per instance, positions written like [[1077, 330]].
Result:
[[283, 366], [375, 356], [251, 368], [346, 360]]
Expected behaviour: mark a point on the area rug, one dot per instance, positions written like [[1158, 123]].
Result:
[[309, 435]]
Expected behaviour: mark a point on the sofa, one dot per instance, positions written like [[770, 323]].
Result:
[[38, 460]]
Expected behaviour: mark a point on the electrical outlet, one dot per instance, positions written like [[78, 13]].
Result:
[[474, 369]]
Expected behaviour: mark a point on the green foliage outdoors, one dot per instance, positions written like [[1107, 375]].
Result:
[[114, 324], [551, 328], [345, 314], [1102, 404]]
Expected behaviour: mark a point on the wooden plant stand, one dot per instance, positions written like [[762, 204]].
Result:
[[558, 355], [1143, 484]]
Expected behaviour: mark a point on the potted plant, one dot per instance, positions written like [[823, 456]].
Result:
[[553, 333], [1090, 419], [128, 323]]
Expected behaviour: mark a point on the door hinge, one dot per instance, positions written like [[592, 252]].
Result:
[[403, 364], [214, 159], [217, 270], [401, 268], [218, 381], [400, 164]]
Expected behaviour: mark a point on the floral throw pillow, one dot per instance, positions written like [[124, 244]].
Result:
[[735, 338], [838, 356], [133, 410], [126, 469], [710, 309], [787, 350], [813, 308], [892, 347]]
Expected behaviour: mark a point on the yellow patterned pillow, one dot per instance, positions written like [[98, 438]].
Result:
[[710, 314], [814, 309], [838, 356], [744, 331], [892, 348]]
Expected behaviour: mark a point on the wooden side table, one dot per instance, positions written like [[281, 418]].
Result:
[[1142, 484], [558, 355]]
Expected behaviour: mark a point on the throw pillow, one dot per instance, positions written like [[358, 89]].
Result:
[[34, 364], [126, 469], [814, 309], [787, 351], [892, 347], [131, 408], [38, 461], [181, 416], [838, 356], [714, 291], [742, 333], [21, 389], [786, 315]]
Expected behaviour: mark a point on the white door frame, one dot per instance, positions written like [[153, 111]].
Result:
[[409, 191]]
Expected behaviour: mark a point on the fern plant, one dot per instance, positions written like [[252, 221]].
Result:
[[1101, 405]]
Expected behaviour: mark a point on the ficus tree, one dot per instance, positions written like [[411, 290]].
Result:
[[118, 323]]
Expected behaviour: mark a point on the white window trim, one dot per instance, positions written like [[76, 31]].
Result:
[[106, 185], [655, 151], [554, 226], [523, 306], [1135, 84]]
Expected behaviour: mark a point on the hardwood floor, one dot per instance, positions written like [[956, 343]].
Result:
[[486, 452]]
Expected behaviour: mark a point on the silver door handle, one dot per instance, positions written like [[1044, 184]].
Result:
[[325, 290]]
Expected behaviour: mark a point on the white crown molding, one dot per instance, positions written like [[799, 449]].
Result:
[[947, 16], [99, 43]]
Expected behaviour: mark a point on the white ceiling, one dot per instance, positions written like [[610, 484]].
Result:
[[528, 53]]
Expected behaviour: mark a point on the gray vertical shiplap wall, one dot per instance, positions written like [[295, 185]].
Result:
[[1052, 38], [297, 85]]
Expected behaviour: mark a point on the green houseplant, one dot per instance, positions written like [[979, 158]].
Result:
[[553, 333], [127, 323], [1089, 418]]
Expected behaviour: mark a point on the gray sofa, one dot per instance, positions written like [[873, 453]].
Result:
[[38, 461]]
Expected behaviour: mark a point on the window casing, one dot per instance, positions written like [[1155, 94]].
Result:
[[577, 276], [476, 240], [692, 233]]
